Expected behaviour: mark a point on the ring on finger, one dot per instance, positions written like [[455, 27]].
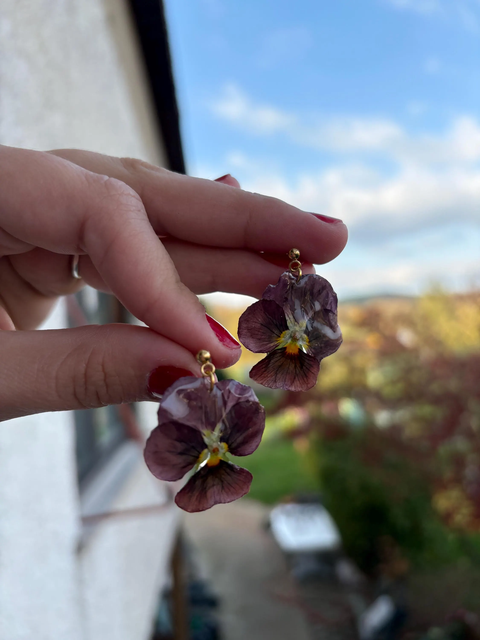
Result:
[[76, 267]]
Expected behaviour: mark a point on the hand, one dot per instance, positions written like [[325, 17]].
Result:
[[112, 212]]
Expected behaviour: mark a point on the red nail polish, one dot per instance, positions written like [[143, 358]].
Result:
[[328, 219], [227, 175], [222, 334], [163, 377]]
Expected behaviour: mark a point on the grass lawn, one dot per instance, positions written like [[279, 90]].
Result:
[[278, 470]]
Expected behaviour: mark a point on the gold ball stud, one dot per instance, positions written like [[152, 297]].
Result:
[[203, 356], [294, 254]]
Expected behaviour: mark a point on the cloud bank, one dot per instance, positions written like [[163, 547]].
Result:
[[460, 143], [396, 189]]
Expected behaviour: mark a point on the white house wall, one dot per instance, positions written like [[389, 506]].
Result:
[[39, 527], [70, 76], [126, 562]]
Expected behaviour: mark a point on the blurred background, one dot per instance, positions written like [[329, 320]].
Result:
[[363, 520]]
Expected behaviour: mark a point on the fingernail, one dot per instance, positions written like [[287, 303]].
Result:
[[163, 377], [328, 219], [223, 178], [224, 336]]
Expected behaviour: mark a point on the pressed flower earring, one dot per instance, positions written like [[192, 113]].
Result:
[[200, 422], [295, 323]]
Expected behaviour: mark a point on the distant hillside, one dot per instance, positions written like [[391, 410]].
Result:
[[387, 297]]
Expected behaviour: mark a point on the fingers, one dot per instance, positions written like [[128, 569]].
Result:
[[87, 367], [228, 179], [50, 274], [24, 306], [211, 213], [205, 270], [31, 282], [86, 213], [133, 262]]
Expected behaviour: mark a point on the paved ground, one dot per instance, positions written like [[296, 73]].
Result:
[[248, 572], [260, 600]]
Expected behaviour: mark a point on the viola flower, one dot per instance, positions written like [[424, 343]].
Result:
[[295, 323], [197, 429]]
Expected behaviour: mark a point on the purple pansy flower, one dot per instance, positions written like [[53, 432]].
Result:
[[197, 429], [295, 323]]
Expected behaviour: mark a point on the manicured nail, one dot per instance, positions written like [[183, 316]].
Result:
[[224, 336], [223, 178], [328, 219], [163, 377]]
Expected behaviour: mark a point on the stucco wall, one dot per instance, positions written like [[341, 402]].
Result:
[[126, 561], [70, 76], [38, 527]]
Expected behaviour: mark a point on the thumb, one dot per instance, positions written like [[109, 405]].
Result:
[[86, 367]]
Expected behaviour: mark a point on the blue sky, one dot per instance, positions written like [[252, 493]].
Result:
[[367, 110]]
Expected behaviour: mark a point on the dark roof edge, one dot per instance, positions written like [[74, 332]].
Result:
[[151, 26]]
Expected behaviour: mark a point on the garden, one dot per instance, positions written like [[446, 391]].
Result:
[[390, 440]]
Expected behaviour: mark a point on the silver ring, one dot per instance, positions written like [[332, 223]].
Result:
[[75, 267]]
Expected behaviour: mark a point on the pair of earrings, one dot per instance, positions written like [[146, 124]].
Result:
[[201, 420]]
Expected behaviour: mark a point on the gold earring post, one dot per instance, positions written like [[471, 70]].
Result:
[[207, 366], [295, 265]]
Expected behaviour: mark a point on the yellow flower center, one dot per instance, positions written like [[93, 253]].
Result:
[[216, 454], [293, 339], [214, 451]]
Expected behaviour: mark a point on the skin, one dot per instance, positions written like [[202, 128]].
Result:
[[151, 237]]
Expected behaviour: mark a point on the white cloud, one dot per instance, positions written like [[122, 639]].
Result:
[[417, 6], [407, 231], [412, 277], [236, 107], [414, 218], [378, 208], [341, 135], [437, 177], [344, 134]]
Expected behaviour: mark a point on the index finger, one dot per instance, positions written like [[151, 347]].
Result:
[[57, 206], [209, 213]]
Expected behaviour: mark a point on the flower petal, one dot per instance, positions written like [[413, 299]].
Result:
[[220, 484], [173, 449], [190, 402], [280, 370], [261, 325], [322, 341], [310, 296], [243, 428], [233, 392], [315, 297], [277, 292]]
